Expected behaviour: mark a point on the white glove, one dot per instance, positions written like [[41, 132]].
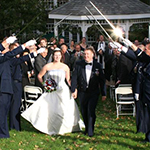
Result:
[[113, 45], [136, 96], [34, 53], [127, 42], [119, 50], [31, 42], [41, 50], [124, 49], [11, 39], [120, 47]]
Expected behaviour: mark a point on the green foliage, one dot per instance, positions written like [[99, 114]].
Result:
[[110, 134], [138, 32], [146, 1], [17, 14]]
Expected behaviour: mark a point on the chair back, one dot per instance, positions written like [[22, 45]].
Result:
[[32, 93], [124, 96], [123, 90]]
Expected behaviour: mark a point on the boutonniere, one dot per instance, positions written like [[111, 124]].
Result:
[[97, 72]]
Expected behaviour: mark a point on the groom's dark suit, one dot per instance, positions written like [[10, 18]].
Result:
[[88, 94]]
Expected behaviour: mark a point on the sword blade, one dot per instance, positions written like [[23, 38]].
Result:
[[99, 23], [113, 27]]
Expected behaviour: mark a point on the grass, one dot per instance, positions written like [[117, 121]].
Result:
[[110, 134]]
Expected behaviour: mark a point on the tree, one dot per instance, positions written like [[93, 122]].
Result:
[[138, 31], [146, 1], [22, 17]]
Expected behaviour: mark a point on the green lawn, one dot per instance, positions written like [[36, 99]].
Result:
[[110, 134]]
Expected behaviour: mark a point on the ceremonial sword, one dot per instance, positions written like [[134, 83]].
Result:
[[99, 24], [113, 27]]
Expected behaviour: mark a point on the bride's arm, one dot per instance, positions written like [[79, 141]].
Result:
[[68, 75], [42, 73]]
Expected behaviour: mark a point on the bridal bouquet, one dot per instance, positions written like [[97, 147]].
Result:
[[50, 85]]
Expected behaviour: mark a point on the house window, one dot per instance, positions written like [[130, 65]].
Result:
[[61, 2], [50, 27], [49, 4], [66, 34]]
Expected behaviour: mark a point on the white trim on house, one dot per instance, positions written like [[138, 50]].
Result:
[[99, 17]]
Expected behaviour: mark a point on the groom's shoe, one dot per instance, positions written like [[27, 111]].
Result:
[[90, 135]]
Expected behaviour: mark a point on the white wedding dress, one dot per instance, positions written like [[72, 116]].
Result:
[[55, 112]]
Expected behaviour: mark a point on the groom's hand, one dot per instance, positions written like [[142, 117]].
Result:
[[74, 95]]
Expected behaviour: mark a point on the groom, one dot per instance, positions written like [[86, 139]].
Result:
[[87, 80]]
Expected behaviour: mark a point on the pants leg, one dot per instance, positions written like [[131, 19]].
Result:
[[88, 104], [83, 107], [147, 136], [5, 100], [92, 103], [139, 117], [147, 122], [14, 116]]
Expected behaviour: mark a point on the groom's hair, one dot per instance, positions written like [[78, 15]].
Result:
[[91, 48]]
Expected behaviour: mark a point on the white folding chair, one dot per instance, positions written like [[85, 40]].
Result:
[[22, 107], [124, 100], [31, 94], [125, 85]]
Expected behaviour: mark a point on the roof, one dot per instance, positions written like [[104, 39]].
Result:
[[110, 8]]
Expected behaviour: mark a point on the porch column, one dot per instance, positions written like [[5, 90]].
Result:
[[63, 33], [55, 29], [78, 37], [70, 37], [127, 28], [55, 3]]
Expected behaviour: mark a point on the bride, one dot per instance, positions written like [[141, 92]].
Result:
[[55, 112]]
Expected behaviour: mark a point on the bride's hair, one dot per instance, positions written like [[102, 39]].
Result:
[[54, 51]]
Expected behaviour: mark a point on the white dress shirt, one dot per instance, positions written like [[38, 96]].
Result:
[[101, 45], [88, 70]]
